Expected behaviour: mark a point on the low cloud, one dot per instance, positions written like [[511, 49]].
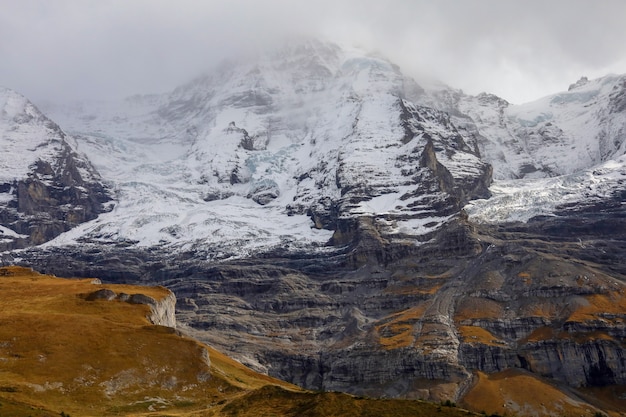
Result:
[[520, 50]]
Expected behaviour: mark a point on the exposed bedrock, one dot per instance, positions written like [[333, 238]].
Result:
[[378, 317]]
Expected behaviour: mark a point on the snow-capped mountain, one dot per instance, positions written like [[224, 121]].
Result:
[[256, 152], [276, 151], [556, 135], [325, 219], [46, 188], [563, 150]]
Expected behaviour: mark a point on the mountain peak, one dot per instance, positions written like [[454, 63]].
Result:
[[582, 81], [312, 133]]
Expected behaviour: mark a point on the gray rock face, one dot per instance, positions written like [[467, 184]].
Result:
[[376, 317], [163, 311]]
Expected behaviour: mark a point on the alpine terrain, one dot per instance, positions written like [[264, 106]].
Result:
[[327, 220]]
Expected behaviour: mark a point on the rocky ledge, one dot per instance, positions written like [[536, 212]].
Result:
[[162, 311]]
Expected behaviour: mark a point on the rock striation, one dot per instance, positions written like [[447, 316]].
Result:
[[381, 318]]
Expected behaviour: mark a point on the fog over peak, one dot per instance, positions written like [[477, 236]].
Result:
[[70, 49]]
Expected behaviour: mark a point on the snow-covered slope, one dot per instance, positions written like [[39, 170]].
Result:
[[45, 186], [27, 137], [559, 134], [281, 149], [564, 150], [523, 199], [273, 151]]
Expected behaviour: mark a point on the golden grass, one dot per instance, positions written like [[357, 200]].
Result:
[[470, 308], [548, 333], [474, 334], [611, 399], [413, 290], [396, 331], [540, 308], [599, 305], [275, 401], [62, 353], [525, 277], [540, 334], [515, 392]]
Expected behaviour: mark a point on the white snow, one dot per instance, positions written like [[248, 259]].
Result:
[[520, 200], [556, 135], [321, 115], [8, 233], [25, 136], [320, 119]]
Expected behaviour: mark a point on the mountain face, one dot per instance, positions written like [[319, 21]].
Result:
[[46, 188], [327, 220], [557, 135], [311, 135]]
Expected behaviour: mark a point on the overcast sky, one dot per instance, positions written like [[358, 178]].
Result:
[[519, 50]]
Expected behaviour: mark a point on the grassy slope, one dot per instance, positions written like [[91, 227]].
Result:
[[500, 393], [62, 353]]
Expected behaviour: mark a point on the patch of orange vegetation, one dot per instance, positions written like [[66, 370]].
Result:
[[445, 275], [396, 331], [540, 334], [599, 306], [525, 277], [475, 334], [478, 308], [540, 308], [585, 337], [500, 393], [399, 336], [549, 333], [412, 290], [610, 398]]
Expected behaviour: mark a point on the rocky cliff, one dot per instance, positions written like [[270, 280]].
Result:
[[380, 318], [162, 309]]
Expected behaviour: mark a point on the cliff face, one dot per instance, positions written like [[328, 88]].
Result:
[[163, 311], [385, 318]]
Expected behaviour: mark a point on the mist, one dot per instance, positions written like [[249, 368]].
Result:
[[76, 49]]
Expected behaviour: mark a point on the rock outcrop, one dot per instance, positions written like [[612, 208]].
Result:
[[162, 311], [330, 241]]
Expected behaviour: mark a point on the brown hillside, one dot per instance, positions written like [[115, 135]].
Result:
[[61, 354], [516, 392]]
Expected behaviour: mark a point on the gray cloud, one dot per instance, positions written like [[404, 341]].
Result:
[[517, 49]]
